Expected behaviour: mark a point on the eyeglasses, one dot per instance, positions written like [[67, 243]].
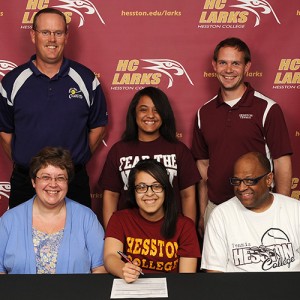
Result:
[[47, 33], [48, 179], [247, 181], [143, 188]]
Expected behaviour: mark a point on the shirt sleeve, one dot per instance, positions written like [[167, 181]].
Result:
[[110, 177], [6, 112], [3, 243], [188, 240], [115, 229], [98, 112], [276, 133], [199, 146], [214, 253], [95, 241], [187, 169]]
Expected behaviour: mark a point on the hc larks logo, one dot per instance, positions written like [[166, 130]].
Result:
[[288, 75], [77, 6], [215, 14], [6, 66], [128, 72], [257, 7], [68, 7], [165, 66]]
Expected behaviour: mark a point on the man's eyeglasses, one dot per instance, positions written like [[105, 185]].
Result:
[[143, 188], [247, 181], [47, 33], [48, 179]]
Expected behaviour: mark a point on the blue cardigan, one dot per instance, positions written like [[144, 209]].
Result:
[[81, 247]]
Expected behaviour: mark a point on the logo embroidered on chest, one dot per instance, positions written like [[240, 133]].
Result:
[[74, 94], [246, 116]]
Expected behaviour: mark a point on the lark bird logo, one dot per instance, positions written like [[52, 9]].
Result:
[[5, 66], [4, 189], [75, 6], [167, 65], [257, 7]]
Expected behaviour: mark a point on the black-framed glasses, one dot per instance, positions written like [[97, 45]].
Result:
[[143, 188], [247, 181], [48, 179], [46, 33]]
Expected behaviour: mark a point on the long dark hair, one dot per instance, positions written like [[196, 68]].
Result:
[[158, 171], [163, 107]]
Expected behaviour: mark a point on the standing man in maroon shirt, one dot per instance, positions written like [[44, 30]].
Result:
[[234, 122]]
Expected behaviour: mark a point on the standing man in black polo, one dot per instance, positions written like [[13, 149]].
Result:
[[50, 101]]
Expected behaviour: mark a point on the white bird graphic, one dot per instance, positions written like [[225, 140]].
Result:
[[164, 65], [75, 5], [5, 66], [256, 7], [4, 189]]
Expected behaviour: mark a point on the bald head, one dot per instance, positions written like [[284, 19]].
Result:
[[252, 181], [255, 158]]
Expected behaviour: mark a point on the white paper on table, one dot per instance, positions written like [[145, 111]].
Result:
[[141, 288]]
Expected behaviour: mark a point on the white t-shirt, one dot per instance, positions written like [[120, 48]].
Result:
[[240, 240]]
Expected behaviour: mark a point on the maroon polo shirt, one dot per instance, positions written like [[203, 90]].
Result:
[[223, 133]]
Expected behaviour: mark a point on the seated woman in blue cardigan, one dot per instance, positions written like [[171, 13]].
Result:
[[50, 233]]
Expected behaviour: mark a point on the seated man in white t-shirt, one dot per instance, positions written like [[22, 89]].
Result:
[[256, 230]]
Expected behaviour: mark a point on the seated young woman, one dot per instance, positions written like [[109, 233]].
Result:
[[153, 235]]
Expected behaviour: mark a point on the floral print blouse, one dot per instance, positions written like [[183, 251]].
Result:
[[46, 248]]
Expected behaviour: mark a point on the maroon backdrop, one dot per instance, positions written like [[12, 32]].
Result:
[[169, 44]]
